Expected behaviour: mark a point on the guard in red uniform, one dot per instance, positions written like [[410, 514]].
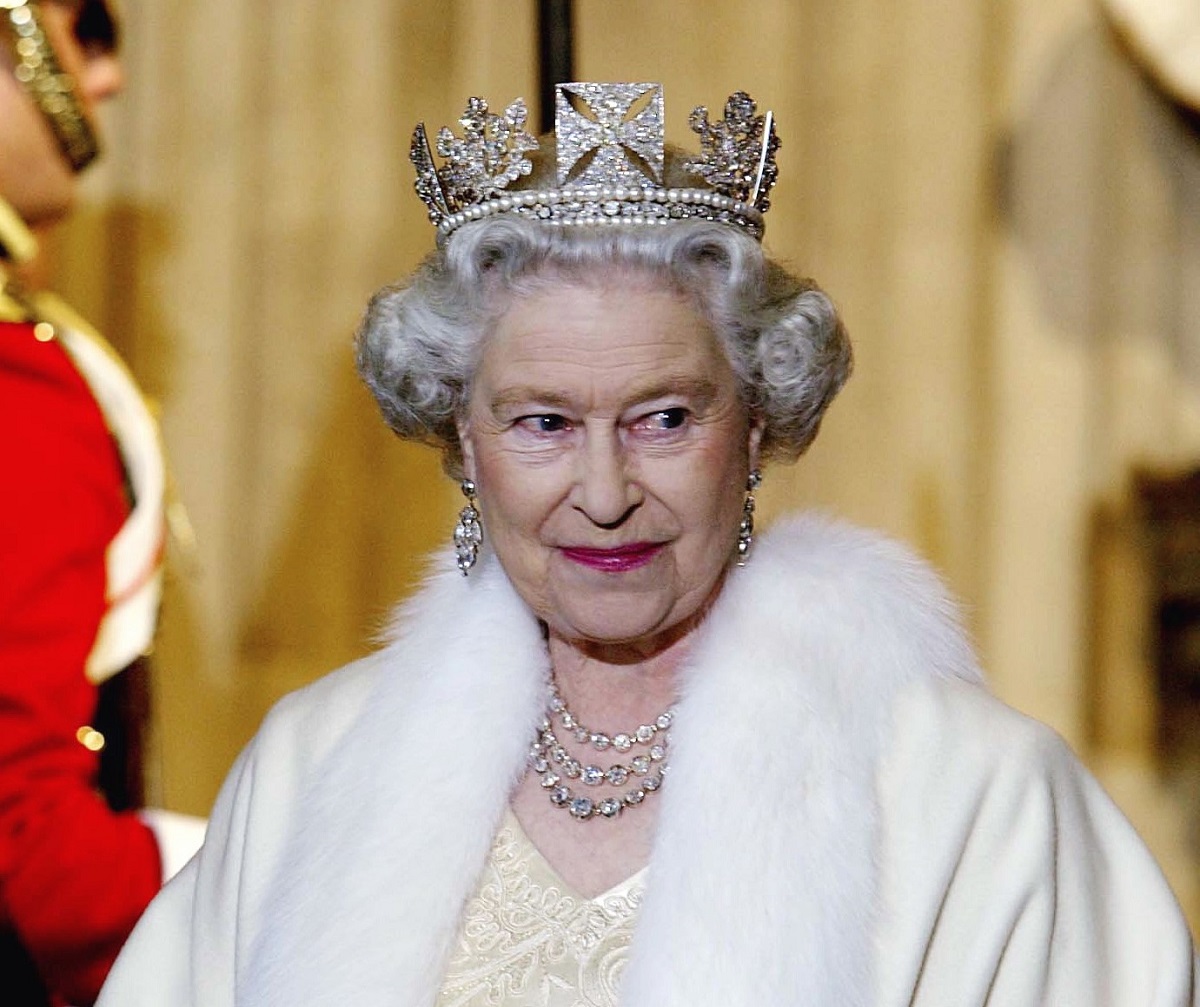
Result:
[[81, 541]]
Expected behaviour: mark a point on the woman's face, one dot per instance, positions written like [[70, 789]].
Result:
[[610, 451]]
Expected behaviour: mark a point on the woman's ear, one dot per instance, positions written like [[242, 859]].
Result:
[[754, 439], [467, 447]]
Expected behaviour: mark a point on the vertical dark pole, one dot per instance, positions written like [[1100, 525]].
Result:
[[556, 55]]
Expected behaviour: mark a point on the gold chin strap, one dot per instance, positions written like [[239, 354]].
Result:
[[37, 69]]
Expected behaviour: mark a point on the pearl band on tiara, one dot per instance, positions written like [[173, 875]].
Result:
[[609, 163]]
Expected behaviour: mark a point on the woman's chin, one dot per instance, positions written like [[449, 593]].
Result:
[[609, 621], [612, 630], [642, 623]]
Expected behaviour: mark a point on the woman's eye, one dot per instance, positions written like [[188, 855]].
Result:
[[544, 423], [667, 419]]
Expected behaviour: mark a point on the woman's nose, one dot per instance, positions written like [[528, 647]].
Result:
[[604, 490]]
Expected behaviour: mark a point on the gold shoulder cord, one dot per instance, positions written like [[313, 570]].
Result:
[[37, 69], [52, 310], [17, 246]]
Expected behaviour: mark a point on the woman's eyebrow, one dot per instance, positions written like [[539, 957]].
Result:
[[521, 395], [697, 389]]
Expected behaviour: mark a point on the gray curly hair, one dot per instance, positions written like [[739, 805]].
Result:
[[420, 340]]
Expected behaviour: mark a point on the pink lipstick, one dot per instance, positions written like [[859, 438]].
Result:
[[618, 560]]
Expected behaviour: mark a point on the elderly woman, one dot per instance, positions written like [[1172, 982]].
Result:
[[640, 755]]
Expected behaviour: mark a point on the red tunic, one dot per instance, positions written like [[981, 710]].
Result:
[[74, 876]]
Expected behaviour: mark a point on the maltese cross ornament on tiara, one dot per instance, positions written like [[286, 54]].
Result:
[[609, 159], [615, 140]]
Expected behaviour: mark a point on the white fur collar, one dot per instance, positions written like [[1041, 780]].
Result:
[[762, 881]]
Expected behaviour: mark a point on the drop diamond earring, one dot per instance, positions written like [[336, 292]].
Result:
[[468, 533], [745, 537]]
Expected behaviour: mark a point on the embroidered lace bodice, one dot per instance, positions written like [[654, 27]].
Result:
[[527, 940]]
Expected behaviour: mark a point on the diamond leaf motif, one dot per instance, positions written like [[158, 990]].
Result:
[[488, 157], [737, 154], [427, 185]]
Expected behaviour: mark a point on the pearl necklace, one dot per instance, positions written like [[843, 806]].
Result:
[[552, 762]]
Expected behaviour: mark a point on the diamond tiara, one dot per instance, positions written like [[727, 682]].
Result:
[[610, 163]]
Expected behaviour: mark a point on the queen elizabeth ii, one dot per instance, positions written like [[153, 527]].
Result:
[[642, 753]]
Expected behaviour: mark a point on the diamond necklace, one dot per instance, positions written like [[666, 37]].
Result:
[[552, 763], [622, 741]]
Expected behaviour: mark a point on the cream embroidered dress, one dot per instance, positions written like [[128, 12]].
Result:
[[527, 940]]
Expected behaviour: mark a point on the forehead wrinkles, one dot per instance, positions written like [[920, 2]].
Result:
[[552, 371], [576, 324], [606, 385], [596, 346], [528, 349]]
